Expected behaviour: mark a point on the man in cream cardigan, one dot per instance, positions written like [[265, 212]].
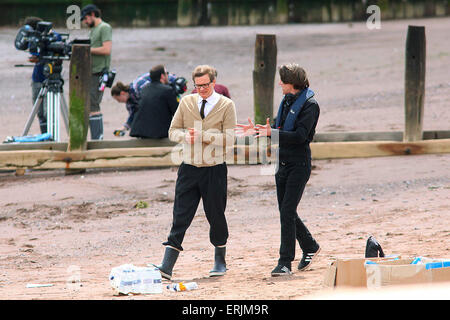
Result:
[[204, 123]]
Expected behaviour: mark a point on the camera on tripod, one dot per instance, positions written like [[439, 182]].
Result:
[[51, 49]]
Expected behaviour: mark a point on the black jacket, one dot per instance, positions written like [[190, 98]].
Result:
[[157, 106], [294, 145]]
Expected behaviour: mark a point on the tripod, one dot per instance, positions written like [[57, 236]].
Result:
[[56, 105]]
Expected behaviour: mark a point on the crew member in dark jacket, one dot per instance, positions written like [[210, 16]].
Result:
[[295, 128], [157, 106]]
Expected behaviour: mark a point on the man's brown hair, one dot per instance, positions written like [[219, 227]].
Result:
[[293, 74], [202, 70], [118, 87]]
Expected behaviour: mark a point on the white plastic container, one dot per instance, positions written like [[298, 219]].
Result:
[[128, 279]]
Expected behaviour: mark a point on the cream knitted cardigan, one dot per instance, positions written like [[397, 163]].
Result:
[[217, 138]]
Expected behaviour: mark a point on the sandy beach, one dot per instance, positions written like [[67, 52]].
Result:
[[52, 224]]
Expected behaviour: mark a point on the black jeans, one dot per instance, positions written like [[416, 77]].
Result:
[[291, 179], [193, 183]]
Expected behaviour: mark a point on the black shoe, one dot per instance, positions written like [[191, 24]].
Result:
[[220, 267], [307, 258], [281, 271]]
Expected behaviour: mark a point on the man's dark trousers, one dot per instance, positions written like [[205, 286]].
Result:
[[193, 183], [291, 179]]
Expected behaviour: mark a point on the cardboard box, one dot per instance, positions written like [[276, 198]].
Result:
[[401, 271], [349, 272]]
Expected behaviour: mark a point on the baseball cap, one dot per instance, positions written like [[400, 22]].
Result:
[[87, 10]]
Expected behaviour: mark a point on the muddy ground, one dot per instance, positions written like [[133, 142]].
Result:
[[55, 227]]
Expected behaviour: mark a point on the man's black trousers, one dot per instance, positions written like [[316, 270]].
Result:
[[291, 179], [193, 183]]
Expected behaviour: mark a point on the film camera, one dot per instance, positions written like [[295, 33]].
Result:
[[51, 48], [45, 43]]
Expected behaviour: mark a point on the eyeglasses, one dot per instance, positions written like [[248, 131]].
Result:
[[202, 86]]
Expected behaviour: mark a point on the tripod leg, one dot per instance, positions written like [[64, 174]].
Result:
[[34, 111], [50, 114], [57, 115]]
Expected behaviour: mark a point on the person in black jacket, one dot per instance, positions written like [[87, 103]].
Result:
[[157, 106], [295, 125]]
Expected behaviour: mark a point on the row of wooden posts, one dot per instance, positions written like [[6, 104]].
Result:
[[78, 153]]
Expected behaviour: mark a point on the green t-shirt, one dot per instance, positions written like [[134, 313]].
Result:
[[98, 35]]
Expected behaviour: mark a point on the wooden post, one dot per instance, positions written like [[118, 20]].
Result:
[[414, 82], [79, 84], [264, 76]]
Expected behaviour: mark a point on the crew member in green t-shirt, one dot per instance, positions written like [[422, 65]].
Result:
[[100, 35]]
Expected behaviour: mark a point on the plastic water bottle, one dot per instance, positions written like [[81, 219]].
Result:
[[151, 281], [125, 282], [128, 279], [182, 286], [135, 281]]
